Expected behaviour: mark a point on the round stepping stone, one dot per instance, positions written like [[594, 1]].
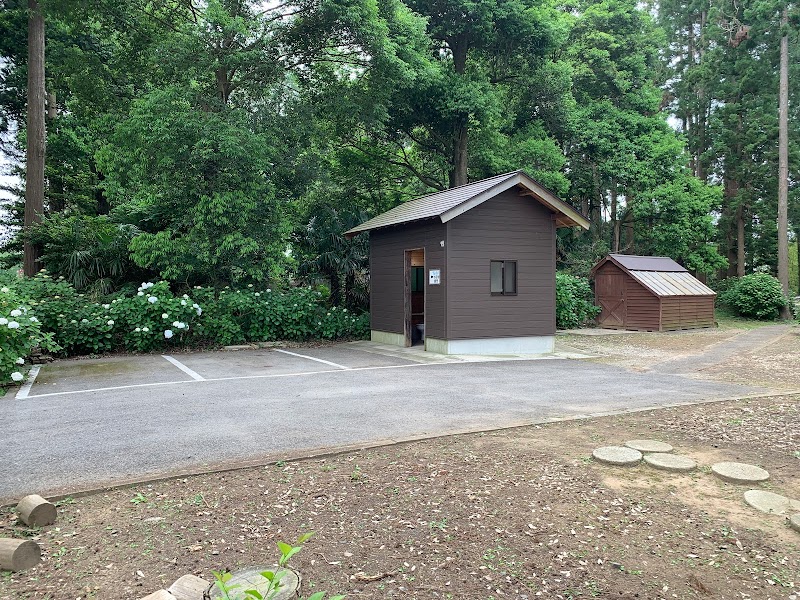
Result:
[[617, 455], [768, 502], [670, 462], [739, 472], [794, 522], [251, 579], [645, 446]]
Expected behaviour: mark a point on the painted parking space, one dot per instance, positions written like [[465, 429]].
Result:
[[114, 371], [119, 372]]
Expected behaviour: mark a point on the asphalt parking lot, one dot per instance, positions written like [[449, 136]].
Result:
[[92, 422]]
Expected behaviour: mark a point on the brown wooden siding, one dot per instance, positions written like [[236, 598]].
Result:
[[507, 227], [387, 256], [642, 307], [685, 312], [643, 310]]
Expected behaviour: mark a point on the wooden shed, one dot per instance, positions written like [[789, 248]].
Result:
[[469, 270], [650, 293]]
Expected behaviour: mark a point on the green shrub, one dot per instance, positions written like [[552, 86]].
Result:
[[152, 317], [757, 296], [20, 332], [574, 301]]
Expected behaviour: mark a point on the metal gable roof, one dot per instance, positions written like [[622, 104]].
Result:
[[647, 263], [448, 204], [670, 283], [659, 274]]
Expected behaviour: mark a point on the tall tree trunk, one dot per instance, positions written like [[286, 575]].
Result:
[[460, 159], [614, 219], [460, 135], [740, 246], [783, 164], [730, 220], [35, 131]]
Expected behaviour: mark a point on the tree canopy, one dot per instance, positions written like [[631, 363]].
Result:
[[233, 141]]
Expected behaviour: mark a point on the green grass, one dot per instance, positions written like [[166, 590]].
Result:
[[727, 320]]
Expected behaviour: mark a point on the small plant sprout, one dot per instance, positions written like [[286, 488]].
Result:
[[230, 591]]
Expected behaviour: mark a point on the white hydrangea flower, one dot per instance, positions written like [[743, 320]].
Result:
[[175, 323], [17, 376], [84, 320], [257, 294], [13, 325], [141, 293], [20, 361], [249, 285], [183, 302], [152, 299], [186, 296], [168, 333], [199, 311], [16, 313], [73, 321], [165, 315], [110, 322], [146, 329], [34, 320], [106, 306], [4, 289], [138, 329], [3, 321], [269, 290], [195, 305]]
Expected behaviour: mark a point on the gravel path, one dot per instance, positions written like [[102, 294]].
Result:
[[722, 351]]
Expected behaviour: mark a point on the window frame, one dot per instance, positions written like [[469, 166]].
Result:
[[503, 277]]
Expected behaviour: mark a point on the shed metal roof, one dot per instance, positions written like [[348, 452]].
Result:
[[448, 204], [670, 283], [659, 274], [647, 263]]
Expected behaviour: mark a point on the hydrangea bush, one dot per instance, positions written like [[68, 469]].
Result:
[[153, 318], [20, 332]]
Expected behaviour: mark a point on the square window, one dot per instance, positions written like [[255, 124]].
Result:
[[503, 277]]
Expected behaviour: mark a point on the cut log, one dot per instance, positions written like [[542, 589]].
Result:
[[18, 555], [189, 587], [35, 511], [159, 595]]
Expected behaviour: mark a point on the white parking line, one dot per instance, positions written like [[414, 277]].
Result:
[[194, 375], [237, 378], [26, 388], [327, 362]]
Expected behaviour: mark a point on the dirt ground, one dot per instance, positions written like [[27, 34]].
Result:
[[521, 513], [775, 366]]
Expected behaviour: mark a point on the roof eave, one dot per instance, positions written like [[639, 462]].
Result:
[[569, 216]]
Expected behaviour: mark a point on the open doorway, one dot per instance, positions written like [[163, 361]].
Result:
[[414, 303]]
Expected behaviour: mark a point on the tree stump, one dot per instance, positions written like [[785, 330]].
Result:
[[35, 511], [159, 595], [18, 555], [189, 587]]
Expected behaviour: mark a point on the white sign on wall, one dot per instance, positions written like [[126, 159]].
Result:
[[434, 276]]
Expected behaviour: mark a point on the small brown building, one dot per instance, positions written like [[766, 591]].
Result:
[[469, 270], [650, 293]]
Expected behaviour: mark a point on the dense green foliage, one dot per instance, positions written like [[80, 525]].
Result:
[[152, 317], [574, 301], [232, 142], [757, 296], [20, 332]]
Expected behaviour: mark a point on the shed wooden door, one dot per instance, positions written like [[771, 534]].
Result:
[[610, 290]]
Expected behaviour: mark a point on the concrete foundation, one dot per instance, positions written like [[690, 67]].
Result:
[[388, 338], [539, 344]]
